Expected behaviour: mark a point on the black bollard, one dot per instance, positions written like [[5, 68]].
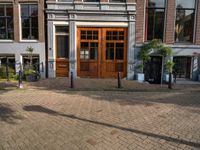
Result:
[[119, 80], [170, 81], [20, 85], [72, 80]]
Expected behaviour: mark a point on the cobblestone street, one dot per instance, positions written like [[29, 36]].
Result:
[[50, 119]]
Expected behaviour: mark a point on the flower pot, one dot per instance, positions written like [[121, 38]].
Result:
[[140, 77]]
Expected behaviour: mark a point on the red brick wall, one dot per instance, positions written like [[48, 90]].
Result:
[[140, 21], [197, 40], [170, 22]]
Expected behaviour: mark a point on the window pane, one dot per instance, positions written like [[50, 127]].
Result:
[[25, 33], [117, 1], [110, 51], [25, 22], [34, 33], [9, 11], [34, 22], [120, 51], [24, 10], [2, 10], [33, 10], [93, 50], [185, 3], [184, 25], [62, 46], [3, 28], [91, 0], [62, 29], [155, 24], [156, 3], [10, 28]]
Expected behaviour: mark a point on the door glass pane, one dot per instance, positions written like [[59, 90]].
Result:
[[94, 51], [62, 46], [119, 51], [110, 51], [84, 53]]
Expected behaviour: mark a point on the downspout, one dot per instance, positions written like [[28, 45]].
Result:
[[46, 39]]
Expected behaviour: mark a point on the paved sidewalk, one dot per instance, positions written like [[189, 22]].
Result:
[[42, 117]]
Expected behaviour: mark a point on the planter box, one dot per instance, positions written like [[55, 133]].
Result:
[[140, 77]]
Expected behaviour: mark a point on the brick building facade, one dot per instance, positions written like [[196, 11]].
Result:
[[185, 45], [22, 26]]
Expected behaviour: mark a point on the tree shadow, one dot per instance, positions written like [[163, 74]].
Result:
[[41, 109], [8, 115], [6, 86]]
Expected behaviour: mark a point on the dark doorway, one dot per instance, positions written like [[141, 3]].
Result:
[[182, 66], [153, 69]]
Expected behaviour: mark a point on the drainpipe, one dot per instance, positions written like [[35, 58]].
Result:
[[46, 39]]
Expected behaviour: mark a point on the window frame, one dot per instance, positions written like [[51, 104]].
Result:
[[20, 23], [5, 17], [146, 19]]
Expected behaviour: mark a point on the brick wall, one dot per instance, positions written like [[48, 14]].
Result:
[[16, 18], [197, 40], [140, 21], [170, 22]]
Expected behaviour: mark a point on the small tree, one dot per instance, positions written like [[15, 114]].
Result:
[[30, 53]]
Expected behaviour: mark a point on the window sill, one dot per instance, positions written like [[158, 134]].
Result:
[[28, 41], [6, 41]]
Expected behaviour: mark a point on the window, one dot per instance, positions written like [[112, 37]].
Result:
[[185, 13], [35, 62], [29, 21], [155, 18], [62, 41], [118, 1], [6, 21], [91, 0]]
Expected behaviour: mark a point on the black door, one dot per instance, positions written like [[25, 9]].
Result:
[[153, 69]]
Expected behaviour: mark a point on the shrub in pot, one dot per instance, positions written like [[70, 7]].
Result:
[[31, 75]]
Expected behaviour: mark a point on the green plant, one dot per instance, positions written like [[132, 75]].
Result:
[[3, 75], [29, 72], [30, 52], [153, 47], [169, 66]]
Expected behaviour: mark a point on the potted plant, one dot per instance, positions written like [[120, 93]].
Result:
[[30, 73]]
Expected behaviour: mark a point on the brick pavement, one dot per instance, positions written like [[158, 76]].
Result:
[[53, 119]]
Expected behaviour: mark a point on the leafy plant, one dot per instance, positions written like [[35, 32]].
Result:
[[11, 72], [154, 47], [169, 66], [30, 52]]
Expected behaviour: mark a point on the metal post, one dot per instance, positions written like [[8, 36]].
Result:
[[119, 80], [7, 71], [170, 81], [72, 80], [20, 85]]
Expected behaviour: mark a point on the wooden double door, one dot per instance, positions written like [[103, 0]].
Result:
[[101, 52]]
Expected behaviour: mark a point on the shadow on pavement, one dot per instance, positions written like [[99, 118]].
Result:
[[8, 115], [41, 109]]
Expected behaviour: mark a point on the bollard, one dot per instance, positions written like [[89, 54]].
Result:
[[20, 85], [119, 80], [7, 71], [72, 81], [170, 81]]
